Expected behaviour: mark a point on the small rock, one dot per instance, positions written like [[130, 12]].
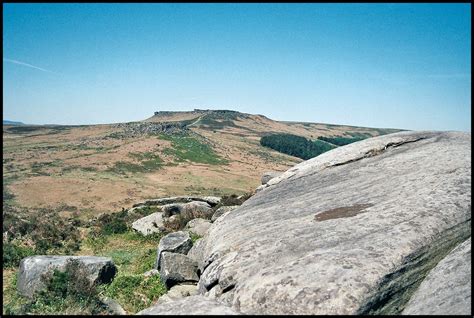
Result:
[[267, 176], [152, 223], [177, 268], [151, 272], [198, 226], [176, 242], [177, 292], [113, 307]]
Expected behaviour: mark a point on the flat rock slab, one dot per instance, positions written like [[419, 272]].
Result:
[[198, 226], [180, 199], [176, 242], [352, 231], [100, 269], [447, 288], [177, 268], [193, 305], [149, 224]]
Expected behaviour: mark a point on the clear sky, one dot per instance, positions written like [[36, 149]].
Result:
[[377, 65]]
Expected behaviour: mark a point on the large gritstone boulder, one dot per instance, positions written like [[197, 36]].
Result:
[[352, 231], [32, 268], [447, 288]]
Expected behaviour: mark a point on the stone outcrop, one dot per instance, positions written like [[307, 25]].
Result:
[[447, 288], [222, 210], [177, 268], [198, 226], [32, 268], [267, 176], [176, 242], [193, 305], [194, 208], [149, 224], [352, 231], [212, 201]]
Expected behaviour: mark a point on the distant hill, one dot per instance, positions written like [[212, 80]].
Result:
[[13, 123]]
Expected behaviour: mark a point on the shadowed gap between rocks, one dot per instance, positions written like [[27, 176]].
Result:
[[396, 289]]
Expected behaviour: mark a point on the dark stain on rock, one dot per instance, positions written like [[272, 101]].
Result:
[[342, 212]]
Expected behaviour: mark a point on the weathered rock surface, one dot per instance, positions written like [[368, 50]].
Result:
[[100, 270], [194, 208], [192, 305], [149, 224], [447, 288], [222, 210], [180, 199], [352, 231], [113, 307], [267, 176], [177, 292], [198, 226], [176, 242], [177, 268]]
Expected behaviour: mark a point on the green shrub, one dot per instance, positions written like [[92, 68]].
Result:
[[113, 223], [135, 292], [194, 237], [13, 254], [191, 149], [49, 232]]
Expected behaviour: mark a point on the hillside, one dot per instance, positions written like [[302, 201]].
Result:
[[10, 122], [102, 168]]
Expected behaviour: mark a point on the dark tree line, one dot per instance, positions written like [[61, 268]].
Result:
[[295, 145], [340, 141]]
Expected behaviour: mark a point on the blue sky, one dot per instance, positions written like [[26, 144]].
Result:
[[377, 65]]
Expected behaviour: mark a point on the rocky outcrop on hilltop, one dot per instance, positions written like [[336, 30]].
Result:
[[353, 231], [137, 129]]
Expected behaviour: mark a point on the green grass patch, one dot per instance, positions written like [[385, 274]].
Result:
[[135, 292], [187, 148]]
